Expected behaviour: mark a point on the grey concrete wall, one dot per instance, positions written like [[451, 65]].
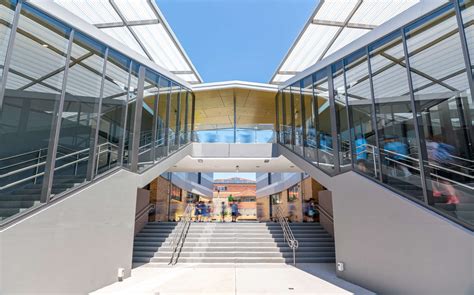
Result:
[[391, 245], [143, 200], [75, 245]]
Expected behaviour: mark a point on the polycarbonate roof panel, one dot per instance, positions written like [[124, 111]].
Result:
[[333, 25], [140, 25]]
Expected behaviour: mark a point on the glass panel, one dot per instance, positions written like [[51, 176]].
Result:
[[343, 132], [280, 117], [310, 146], [150, 105], [7, 10], [324, 141], [189, 116], [287, 126], [113, 112], [174, 118], [298, 118], [444, 101], [182, 116], [79, 118], [29, 102], [395, 125], [255, 113], [359, 100], [467, 12], [132, 97], [160, 144]]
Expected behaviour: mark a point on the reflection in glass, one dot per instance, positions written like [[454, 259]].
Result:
[[360, 112], [33, 90], [113, 111], [341, 117], [324, 139], [444, 102], [397, 138], [79, 117]]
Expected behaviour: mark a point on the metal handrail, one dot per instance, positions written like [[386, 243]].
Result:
[[180, 234], [287, 232]]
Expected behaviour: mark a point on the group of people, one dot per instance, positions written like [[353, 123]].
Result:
[[203, 211]]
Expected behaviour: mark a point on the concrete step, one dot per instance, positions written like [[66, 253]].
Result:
[[328, 243], [155, 249], [234, 235]]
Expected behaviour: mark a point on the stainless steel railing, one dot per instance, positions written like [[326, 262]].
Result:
[[179, 236], [287, 232]]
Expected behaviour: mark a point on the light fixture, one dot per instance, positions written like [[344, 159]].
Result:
[[44, 45], [237, 168], [292, 166], [257, 166], [266, 161], [200, 161]]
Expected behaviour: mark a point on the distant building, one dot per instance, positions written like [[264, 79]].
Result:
[[242, 190]]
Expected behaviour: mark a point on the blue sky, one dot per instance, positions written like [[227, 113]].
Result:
[[236, 39]]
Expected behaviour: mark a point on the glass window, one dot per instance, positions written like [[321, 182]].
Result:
[[79, 117], [113, 112], [298, 117], [33, 90], [309, 141], [444, 103], [280, 117], [132, 102], [173, 138], [397, 139], [324, 140], [7, 10], [287, 126], [343, 132], [360, 111], [160, 144], [255, 114], [183, 104], [189, 116]]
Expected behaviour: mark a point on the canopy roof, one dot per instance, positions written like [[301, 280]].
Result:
[[140, 25], [334, 24]]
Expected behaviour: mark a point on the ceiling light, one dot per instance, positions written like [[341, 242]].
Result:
[[266, 161], [237, 168], [292, 166], [200, 161], [257, 166], [44, 45]]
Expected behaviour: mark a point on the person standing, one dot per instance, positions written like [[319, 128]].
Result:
[[223, 207], [235, 211]]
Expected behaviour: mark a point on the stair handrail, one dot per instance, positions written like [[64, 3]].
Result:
[[287, 232], [180, 234]]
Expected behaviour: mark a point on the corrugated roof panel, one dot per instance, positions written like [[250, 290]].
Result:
[[335, 10], [123, 35], [92, 11], [346, 36], [376, 12], [135, 10], [312, 45]]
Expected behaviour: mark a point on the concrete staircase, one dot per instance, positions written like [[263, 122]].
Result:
[[234, 243]]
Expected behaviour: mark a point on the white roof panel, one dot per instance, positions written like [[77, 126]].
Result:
[[140, 25], [333, 25]]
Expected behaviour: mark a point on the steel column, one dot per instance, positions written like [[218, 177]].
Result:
[[350, 123], [155, 122], [121, 149], [186, 110], [91, 165], [277, 119], [374, 119], [419, 133], [314, 105], [332, 110], [177, 140], [193, 116], [303, 119], [168, 116], [55, 130], [9, 52], [235, 116], [137, 120]]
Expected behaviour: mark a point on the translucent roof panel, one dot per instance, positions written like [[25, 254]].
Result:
[[333, 25], [140, 25]]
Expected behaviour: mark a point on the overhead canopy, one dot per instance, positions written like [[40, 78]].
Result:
[[334, 24], [140, 25]]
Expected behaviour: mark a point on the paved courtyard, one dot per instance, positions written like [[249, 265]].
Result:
[[234, 279]]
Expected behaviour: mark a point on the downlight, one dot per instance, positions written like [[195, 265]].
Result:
[[266, 161], [200, 161]]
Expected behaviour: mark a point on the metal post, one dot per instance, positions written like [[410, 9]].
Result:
[[303, 119], [9, 52], [350, 123], [419, 133], [332, 110], [277, 120], [155, 123], [96, 126], [374, 120], [137, 120], [293, 129], [168, 116], [314, 105], [193, 116], [55, 130], [177, 140], [186, 110], [121, 149]]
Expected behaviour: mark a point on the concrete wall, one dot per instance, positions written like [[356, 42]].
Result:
[[75, 245], [390, 244]]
